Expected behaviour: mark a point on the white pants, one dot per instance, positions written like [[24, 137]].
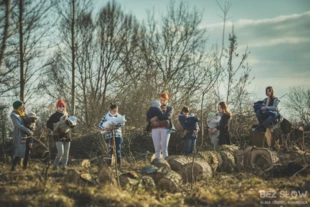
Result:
[[160, 138]]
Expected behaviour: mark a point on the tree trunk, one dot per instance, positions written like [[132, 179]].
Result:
[[73, 50], [177, 163], [21, 51], [195, 171], [263, 158], [261, 139], [228, 162], [253, 157], [160, 162], [168, 180], [5, 30], [213, 158]]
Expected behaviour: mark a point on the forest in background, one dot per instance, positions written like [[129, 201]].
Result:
[[93, 57]]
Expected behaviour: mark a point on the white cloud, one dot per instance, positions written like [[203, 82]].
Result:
[[278, 19]]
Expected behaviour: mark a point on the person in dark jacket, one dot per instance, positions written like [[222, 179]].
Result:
[[20, 134], [161, 130], [154, 110], [63, 140], [30, 120], [190, 125], [223, 127], [267, 112]]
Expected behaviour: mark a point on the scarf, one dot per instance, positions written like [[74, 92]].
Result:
[[20, 112]]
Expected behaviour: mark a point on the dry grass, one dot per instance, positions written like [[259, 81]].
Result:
[[26, 188]]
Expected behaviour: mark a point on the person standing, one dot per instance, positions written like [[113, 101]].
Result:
[[117, 130], [162, 126], [20, 133], [190, 125], [223, 126], [63, 140]]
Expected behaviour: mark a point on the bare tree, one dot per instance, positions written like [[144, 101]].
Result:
[[298, 104], [26, 48], [176, 52], [5, 35], [60, 81], [21, 49], [73, 50], [235, 75]]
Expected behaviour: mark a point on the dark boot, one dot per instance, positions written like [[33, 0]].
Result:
[[119, 161]]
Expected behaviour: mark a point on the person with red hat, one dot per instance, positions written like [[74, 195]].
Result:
[[161, 132], [63, 140]]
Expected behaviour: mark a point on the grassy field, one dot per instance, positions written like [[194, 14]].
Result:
[[32, 187]]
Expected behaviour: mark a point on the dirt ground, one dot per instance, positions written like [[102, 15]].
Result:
[[35, 187]]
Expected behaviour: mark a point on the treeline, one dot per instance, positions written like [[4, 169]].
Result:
[[91, 57]]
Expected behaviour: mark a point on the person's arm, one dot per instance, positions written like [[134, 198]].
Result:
[[148, 115], [18, 125], [167, 115], [50, 122], [224, 122], [100, 125], [274, 106], [181, 119]]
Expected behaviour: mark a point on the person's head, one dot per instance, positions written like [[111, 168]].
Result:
[[185, 110], [223, 108], [33, 116], [113, 109], [61, 105], [269, 92], [18, 105], [211, 114], [156, 103], [163, 98]]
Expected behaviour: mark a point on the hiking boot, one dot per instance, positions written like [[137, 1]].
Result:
[[12, 168], [54, 168], [24, 167]]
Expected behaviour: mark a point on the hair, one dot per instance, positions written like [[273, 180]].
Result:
[[61, 102], [113, 106], [271, 90], [224, 106], [185, 109], [164, 96]]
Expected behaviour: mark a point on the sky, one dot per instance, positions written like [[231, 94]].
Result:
[[276, 32]]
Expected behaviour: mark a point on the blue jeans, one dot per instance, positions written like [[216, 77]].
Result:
[[118, 145], [190, 143], [260, 116], [63, 154]]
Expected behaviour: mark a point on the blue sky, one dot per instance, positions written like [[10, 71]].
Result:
[[277, 32]]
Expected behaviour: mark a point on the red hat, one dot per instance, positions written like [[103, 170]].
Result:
[[164, 96], [60, 102]]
